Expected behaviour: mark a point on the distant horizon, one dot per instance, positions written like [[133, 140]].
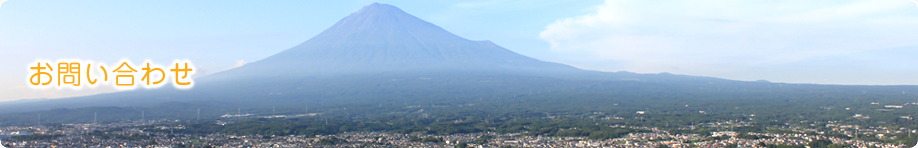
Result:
[[800, 43]]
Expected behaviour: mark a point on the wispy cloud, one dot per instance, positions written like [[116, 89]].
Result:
[[1, 2], [239, 63], [713, 37]]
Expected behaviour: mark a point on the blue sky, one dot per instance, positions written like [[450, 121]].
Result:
[[870, 42]]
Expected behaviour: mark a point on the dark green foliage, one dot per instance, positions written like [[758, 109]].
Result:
[[837, 135], [824, 144], [483, 139], [731, 146], [722, 137], [462, 145]]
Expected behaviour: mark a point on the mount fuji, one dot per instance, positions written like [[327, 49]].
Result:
[[382, 55]]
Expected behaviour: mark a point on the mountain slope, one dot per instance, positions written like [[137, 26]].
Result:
[[381, 38], [382, 54]]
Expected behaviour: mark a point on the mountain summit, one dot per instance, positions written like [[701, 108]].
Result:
[[376, 54], [383, 38], [383, 58]]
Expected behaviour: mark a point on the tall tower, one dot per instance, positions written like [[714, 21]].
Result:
[[199, 114], [95, 115]]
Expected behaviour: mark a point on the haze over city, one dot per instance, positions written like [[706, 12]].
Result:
[[852, 42], [615, 73]]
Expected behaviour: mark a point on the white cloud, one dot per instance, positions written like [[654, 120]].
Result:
[[239, 63], [1, 2], [722, 37]]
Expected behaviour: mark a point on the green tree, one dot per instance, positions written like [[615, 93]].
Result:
[[462, 145]]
